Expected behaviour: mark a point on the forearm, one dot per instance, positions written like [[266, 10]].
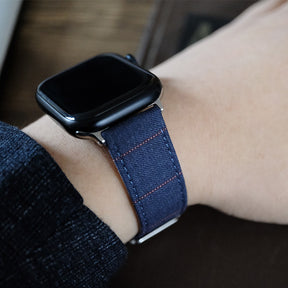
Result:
[[91, 172]]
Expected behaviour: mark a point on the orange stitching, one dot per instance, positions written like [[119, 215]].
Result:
[[157, 188], [140, 144]]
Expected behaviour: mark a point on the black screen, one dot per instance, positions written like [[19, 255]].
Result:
[[93, 83]]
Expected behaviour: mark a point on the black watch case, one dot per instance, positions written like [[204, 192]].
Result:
[[97, 93]]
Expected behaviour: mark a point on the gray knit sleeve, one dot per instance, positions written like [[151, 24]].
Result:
[[48, 238]]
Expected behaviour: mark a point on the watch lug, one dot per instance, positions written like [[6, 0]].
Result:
[[95, 136], [98, 136], [159, 104]]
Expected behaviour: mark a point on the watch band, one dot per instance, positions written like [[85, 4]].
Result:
[[146, 160]]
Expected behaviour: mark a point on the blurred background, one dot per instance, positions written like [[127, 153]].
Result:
[[51, 35], [39, 38]]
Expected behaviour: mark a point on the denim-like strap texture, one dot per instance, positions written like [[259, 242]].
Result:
[[145, 157]]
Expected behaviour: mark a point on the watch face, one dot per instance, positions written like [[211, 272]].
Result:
[[97, 93]]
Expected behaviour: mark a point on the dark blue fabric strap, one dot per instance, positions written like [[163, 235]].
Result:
[[145, 157]]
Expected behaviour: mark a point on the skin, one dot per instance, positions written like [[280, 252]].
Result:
[[225, 106]]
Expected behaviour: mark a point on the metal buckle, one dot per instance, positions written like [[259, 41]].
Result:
[[154, 232]]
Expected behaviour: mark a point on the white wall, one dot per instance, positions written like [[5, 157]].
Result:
[[9, 10]]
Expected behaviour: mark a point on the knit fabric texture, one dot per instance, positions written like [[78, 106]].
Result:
[[48, 238]]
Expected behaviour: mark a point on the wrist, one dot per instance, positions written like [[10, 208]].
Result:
[[98, 181], [193, 128]]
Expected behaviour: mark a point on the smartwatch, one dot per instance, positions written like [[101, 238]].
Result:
[[112, 100]]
